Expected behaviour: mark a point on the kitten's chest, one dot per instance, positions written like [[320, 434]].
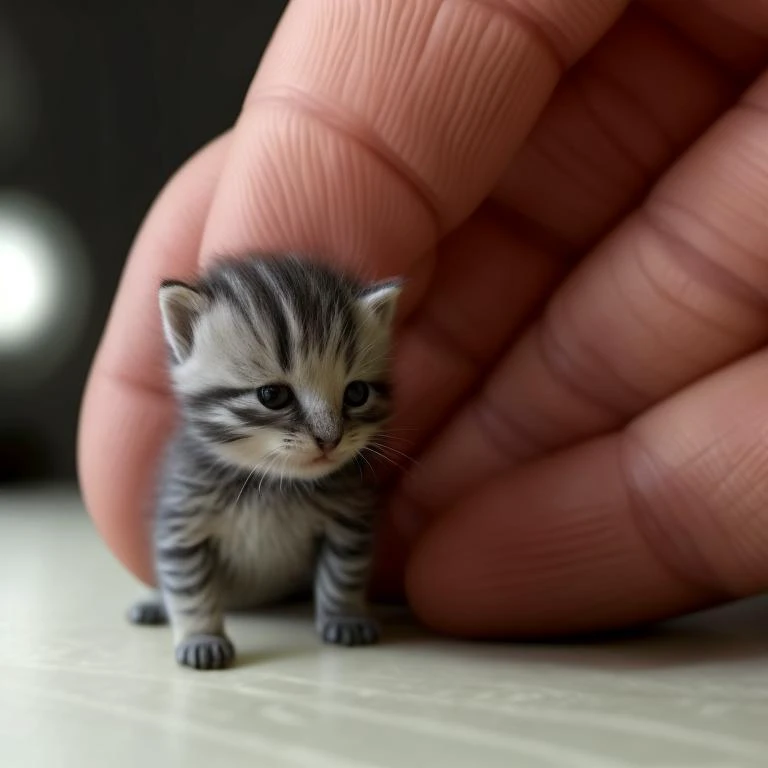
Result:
[[267, 547]]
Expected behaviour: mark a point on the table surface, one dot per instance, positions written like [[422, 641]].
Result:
[[81, 688]]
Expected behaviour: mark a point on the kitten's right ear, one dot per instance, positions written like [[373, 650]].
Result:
[[380, 299], [180, 306]]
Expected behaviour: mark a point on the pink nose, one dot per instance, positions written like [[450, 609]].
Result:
[[327, 445]]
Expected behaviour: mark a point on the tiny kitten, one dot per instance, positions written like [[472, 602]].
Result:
[[280, 369]]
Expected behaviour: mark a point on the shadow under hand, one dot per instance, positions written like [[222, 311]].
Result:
[[735, 633]]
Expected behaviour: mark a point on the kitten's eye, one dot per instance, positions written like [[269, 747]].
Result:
[[274, 396], [356, 394]]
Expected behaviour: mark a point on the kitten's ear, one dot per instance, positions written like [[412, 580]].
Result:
[[180, 306], [380, 300]]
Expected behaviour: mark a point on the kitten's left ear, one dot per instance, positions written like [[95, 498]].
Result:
[[180, 307], [380, 300]]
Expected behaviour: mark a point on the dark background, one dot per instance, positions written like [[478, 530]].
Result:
[[99, 103]]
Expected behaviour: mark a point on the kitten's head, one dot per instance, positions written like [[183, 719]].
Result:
[[280, 365]]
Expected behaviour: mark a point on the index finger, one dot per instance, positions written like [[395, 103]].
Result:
[[372, 129]]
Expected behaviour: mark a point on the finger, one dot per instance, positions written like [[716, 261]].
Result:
[[373, 129], [666, 518], [675, 292], [610, 130], [127, 410]]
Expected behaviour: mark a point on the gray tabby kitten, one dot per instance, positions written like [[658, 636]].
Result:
[[280, 368]]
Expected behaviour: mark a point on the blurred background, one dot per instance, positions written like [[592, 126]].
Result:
[[99, 104]]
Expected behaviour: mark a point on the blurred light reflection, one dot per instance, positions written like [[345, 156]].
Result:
[[27, 284], [44, 288]]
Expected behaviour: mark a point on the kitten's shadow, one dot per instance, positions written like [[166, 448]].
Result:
[[257, 657], [263, 632]]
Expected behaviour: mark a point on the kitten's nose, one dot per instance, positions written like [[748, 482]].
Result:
[[327, 444]]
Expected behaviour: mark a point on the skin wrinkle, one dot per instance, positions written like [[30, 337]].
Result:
[[516, 195], [668, 295], [659, 339], [462, 40], [542, 238], [426, 155], [544, 273], [133, 379], [334, 178], [563, 163], [622, 147], [547, 37], [636, 94], [505, 434], [570, 362], [440, 333], [354, 128], [470, 53], [657, 523], [698, 264]]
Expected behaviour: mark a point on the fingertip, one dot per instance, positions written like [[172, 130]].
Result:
[[545, 550], [119, 443]]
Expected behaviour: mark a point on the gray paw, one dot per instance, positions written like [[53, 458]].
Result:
[[205, 652], [148, 613], [349, 630]]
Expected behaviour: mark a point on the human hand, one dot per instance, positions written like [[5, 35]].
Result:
[[578, 368]]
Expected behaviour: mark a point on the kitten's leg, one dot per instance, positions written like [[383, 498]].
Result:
[[341, 607], [187, 574], [149, 612]]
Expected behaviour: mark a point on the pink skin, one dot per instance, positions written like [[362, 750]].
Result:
[[596, 464]]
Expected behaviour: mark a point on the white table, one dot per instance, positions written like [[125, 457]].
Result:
[[80, 688]]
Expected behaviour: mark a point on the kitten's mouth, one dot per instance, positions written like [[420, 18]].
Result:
[[322, 461]]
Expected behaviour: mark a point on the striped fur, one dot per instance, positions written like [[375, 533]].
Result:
[[257, 504]]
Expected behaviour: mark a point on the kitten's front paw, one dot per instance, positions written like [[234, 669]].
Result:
[[205, 652], [349, 630], [148, 612]]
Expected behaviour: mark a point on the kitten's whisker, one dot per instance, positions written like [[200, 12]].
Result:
[[384, 456], [384, 447], [250, 475], [268, 468], [373, 470], [281, 470]]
